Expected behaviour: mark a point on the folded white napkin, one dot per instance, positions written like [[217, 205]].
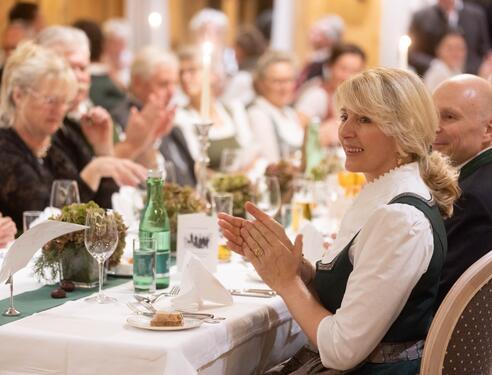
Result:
[[312, 243], [197, 286]]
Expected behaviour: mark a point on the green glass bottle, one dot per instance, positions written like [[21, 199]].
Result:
[[154, 223], [314, 151]]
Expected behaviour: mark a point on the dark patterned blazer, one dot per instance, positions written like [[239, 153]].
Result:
[[469, 230], [25, 180]]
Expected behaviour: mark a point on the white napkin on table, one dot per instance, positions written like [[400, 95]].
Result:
[[128, 202], [197, 286], [312, 243]]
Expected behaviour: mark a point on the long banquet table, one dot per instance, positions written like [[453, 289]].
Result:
[[81, 338]]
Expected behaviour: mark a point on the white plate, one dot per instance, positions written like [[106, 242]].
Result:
[[143, 322]]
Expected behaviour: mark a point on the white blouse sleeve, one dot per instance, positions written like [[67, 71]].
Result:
[[390, 254], [264, 134]]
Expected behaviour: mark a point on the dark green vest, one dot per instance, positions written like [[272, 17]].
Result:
[[414, 320]]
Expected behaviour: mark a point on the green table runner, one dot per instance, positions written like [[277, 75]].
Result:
[[40, 299]]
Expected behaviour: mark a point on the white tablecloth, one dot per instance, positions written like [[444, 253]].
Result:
[[80, 338]]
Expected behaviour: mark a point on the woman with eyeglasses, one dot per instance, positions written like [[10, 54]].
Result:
[[275, 124], [37, 89]]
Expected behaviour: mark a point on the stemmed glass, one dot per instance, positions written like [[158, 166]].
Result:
[[230, 160], [268, 198], [63, 193], [101, 238]]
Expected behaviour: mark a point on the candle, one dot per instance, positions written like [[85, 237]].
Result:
[[207, 49], [405, 42]]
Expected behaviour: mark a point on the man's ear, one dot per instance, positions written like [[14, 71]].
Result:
[[488, 132]]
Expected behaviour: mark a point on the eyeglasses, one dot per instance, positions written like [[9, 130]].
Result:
[[50, 100]]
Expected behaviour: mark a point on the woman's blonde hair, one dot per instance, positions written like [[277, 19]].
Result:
[[25, 68], [398, 102]]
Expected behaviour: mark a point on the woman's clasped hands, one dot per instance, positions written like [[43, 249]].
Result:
[[264, 243]]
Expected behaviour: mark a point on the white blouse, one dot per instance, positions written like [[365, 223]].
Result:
[[314, 102], [267, 121], [392, 251]]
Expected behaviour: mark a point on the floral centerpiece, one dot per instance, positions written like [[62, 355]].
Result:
[[239, 185], [67, 253], [180, 200], [331, 164]]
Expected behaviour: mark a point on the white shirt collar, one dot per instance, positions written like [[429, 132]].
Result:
[[377, 193]]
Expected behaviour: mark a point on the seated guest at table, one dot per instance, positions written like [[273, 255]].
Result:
[[7, 230], [465, 135], [154, 74], [230, 129], [369, 303], [450, 59], [88, 130], [274, 123], [316, 101], [103, 90], [37, 91]]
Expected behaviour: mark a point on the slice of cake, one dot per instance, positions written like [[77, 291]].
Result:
[[167, 319]]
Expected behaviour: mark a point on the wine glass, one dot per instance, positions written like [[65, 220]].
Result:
[[230, 160], [170, 172], [268, 196], [63, 193], [100, 238]]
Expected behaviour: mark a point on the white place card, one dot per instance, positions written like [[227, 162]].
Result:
[[198, 234], [24, 247]]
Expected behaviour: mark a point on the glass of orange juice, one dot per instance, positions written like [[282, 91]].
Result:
[[222, 202]]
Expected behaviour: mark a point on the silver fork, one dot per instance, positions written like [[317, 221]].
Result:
[[150, 300]]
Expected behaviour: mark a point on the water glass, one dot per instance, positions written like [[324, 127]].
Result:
[[64, 193], [100, 238], [29, 217], [170, 172], [144, 258], [222, 202]]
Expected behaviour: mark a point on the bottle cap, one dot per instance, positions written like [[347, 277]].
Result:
[[154, 173]]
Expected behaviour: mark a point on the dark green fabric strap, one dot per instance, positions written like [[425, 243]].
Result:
[[38, 300], [474, 164]]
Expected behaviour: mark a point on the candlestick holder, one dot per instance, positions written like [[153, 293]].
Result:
[[201, 164], [11, 310]]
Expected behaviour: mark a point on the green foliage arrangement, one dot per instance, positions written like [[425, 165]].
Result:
[[329, 165], [239, 185], [71, 243], [180, 200]]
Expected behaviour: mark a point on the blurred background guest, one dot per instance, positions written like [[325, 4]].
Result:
[[317, 100], [154, 75], [36, 93], [429, 24], [116, 53], [29, 14], [230, 129], [103, 90], [8, 230], [323, 35], [450, 59], [274, 123], [248, 47]]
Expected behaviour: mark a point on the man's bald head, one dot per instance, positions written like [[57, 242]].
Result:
[[464, 103], [13, 34]]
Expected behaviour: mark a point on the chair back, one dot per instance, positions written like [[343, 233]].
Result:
[[460, 337]]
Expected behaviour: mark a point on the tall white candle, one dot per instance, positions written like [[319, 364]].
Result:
[[405, 42], [207, 49]]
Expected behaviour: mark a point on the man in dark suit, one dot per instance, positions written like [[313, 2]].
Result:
[[465, 135], [431, 23], [154, 74]]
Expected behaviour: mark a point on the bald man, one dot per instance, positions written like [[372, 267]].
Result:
[[465, 135]]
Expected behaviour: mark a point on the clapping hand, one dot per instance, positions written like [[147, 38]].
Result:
[[97, 127], [7, 230], [265, 245]]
